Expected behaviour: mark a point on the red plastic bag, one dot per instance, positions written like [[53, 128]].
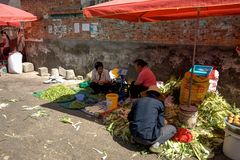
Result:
[[183, 135]]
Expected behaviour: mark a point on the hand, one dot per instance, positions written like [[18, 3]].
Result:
[[165, 122], [100, 82]]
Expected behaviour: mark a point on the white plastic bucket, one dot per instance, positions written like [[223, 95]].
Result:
[[231, 145]]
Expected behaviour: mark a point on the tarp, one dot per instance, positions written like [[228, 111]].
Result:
[[12, 14], [156, 10]]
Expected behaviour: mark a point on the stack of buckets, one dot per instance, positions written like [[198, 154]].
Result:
[[231, 142], [112, 101]]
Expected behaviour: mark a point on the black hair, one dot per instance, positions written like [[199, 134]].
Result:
[[98, 64], [20, 29], [3, 32], [153, 94], [140, 62]]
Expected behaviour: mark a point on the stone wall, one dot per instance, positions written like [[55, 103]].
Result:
[[165, 60]]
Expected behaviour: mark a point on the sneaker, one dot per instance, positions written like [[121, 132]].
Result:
[[47, 81], [154, 149]]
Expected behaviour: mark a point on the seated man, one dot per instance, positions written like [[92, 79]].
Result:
[[147, 123], [145, 78], [101, 81]]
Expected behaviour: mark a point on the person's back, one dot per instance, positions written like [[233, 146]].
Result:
[[147, 77], [147, 118], [146, 121]]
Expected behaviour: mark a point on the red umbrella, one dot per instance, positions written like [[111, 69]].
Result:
[[12, 14], [13, 24], [156, 10]]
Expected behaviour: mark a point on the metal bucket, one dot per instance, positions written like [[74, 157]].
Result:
[[188, 115]]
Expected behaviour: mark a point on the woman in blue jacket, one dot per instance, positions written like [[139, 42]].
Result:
[[147, 123]]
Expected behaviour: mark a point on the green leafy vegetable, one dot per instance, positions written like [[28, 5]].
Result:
[[66, 119], [58, 93]]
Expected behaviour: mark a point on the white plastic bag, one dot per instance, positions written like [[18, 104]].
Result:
[[15, 63]]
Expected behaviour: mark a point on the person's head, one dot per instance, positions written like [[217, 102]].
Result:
[[153, 91], [99, 67], [20, 31], [139, 64], [4, 34]]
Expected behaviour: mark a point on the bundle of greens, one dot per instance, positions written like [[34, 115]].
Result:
[[77, 105], [213, 110], [117, 124], [58, 93], [169, 86]]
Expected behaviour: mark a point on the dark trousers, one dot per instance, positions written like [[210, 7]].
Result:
[[135, 90], [100, 88]]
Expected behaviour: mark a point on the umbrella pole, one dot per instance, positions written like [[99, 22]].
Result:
[[193, 58]]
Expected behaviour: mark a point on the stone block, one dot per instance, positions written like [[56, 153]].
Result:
[[43, 71], [28, 67], [54, 72], [62, 71], [70, 74]]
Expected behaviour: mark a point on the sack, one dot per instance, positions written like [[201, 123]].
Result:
[[169, 111], [15, 63], [199, 89]]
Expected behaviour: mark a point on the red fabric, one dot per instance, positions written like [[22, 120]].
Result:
[[146, 77], [183, 135], [156, 10], [12, 14]]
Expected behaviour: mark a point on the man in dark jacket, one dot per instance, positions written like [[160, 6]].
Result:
[[147, 123]]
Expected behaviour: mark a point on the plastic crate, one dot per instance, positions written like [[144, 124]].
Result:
[[202, 70]]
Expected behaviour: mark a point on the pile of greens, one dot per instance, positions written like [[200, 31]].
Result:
[[58, 93], [117, 124], [169, 86], [208, 134]]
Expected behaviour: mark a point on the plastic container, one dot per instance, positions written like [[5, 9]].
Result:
[[202, 70], [231, 127], [231, 145], [80, 97], [15, 63], [112, 100]]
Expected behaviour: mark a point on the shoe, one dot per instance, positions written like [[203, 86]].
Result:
[[47, 81], [132, 141], [154, 149]]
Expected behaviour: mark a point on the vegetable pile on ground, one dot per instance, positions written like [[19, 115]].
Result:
[[58, 93], [208, 133], [170, 86], [117, 123]]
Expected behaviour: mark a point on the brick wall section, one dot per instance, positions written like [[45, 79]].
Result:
[[223, 31]]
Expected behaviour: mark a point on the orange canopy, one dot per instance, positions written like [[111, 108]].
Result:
[[12, 14], [156, 10]]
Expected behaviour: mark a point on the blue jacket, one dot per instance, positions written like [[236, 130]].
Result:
[[146, 118]]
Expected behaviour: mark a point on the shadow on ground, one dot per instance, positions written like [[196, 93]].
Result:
[[77, 112]]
